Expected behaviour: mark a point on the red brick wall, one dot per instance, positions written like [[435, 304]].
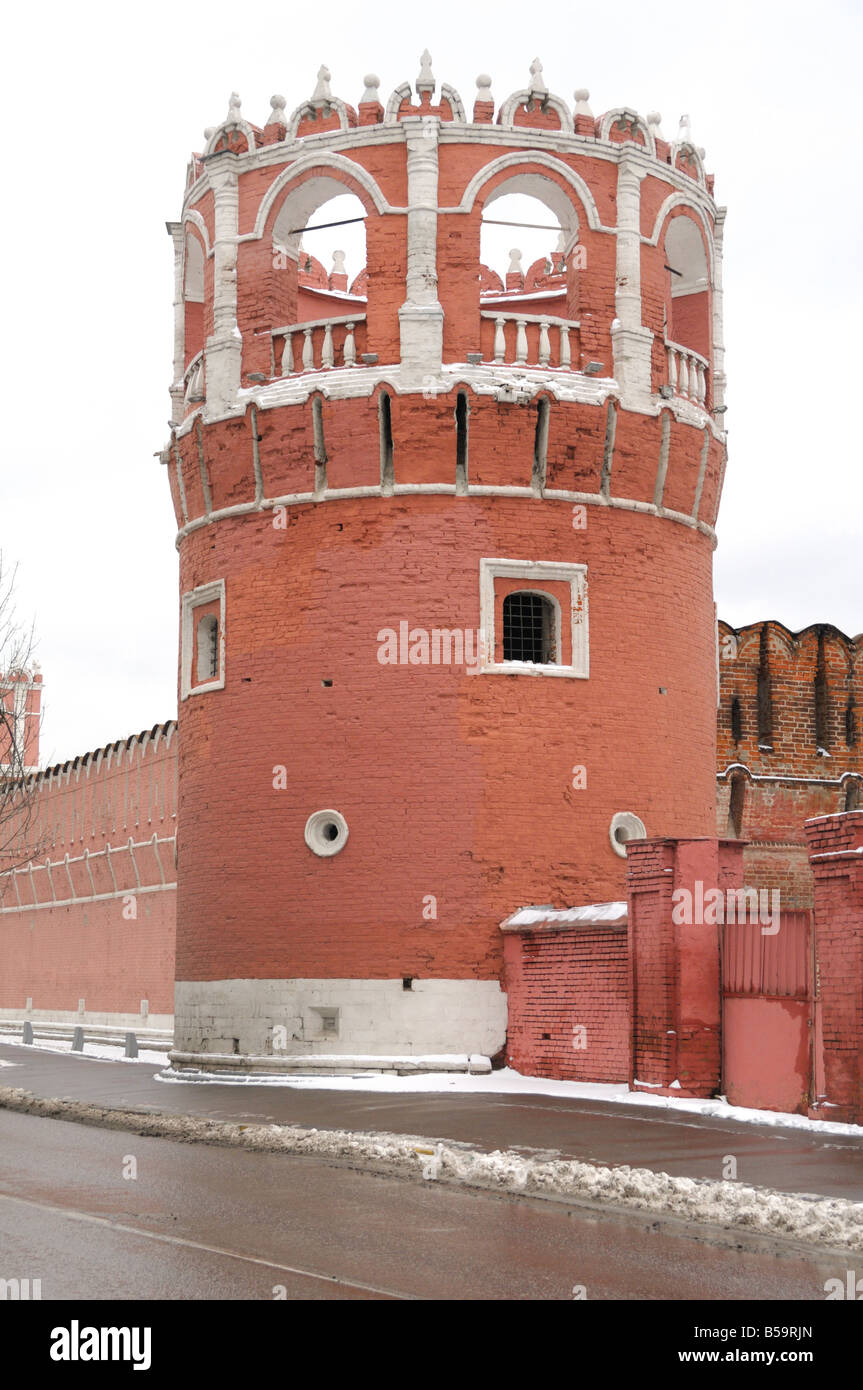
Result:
[[785, 778], [91, 945], [836, 855], [675, 997], [559, 981]]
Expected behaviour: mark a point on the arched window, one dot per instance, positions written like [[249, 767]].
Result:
[[207, 644], [687, 305], [193, 295], [529, 628]]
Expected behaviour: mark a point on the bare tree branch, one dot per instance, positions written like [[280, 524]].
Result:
[[20, 837]]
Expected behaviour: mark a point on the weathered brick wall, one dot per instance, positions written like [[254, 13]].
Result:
[[675, 998], [789, 733], [567, 992], [836, 854]]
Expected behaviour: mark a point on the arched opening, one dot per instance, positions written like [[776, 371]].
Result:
[[529, 628], [853, 801], [687, 304], [207, 649], [193, 297], [319, 254], [530, 258]]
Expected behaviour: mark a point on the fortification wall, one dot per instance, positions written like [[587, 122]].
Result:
[[88, 895], [789, 743]]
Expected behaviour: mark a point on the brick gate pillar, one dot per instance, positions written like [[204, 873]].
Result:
[[836, 856], [675, 984]]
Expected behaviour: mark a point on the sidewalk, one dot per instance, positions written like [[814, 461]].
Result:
[[682, 1144]]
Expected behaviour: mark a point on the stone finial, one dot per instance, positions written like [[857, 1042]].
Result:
[[537, 83], [322, 94], [582, 100], [339, 267], [234, 113], [684, 134], [426, 80], [483, 87], [515, 267], [372, 84], [702, 153], [277, 111], [209, 132], [654, 122]]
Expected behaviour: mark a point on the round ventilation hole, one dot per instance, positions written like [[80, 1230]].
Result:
[[326, 832], [625, 826]]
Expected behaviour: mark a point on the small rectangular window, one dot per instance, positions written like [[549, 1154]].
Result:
[[203, 639]]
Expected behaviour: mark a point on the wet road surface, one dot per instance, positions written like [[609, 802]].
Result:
[[201, 1222], [596, 1131]]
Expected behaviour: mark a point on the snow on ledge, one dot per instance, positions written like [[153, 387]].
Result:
[[551, 918]]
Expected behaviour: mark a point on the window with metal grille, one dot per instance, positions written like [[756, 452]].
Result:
[[528, 629]]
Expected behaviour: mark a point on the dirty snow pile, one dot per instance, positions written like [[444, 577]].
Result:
[[822, 1221]]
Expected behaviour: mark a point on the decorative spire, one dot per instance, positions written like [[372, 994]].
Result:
[[582, 98], [234, 113], [277, 111], [684, 134], [322, 95], [372, 84], [426, 80], [483, 88], [537, 83], [654, 121]]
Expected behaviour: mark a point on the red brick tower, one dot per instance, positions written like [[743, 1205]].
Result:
[[393, 499]]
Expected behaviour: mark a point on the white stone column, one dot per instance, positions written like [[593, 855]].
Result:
[[718, 363], [631, 341], [421, 315], [224, 349], [175, 231]]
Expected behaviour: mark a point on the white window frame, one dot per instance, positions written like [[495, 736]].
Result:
[[534, 574], [205, 594]]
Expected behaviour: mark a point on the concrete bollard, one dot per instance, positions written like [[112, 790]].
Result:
[[78, 1040], [27, 1035], [131, 1045]]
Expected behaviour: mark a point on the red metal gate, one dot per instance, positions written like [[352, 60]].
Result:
[[768, 1014]]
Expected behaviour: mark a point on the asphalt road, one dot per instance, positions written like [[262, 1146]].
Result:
[[199, 1222], [790, 1160]]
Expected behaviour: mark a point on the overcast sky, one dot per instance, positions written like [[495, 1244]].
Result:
[[104, 104]]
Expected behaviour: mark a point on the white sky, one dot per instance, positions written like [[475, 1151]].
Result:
[[104, 104]]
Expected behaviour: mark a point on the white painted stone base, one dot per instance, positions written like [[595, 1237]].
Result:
[[222, 1020]]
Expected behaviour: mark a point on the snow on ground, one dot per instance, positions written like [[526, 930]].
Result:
[[99, 1052]]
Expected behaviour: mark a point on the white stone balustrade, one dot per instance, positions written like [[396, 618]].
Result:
[[687, 373], [538, 340], [325, 343]]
